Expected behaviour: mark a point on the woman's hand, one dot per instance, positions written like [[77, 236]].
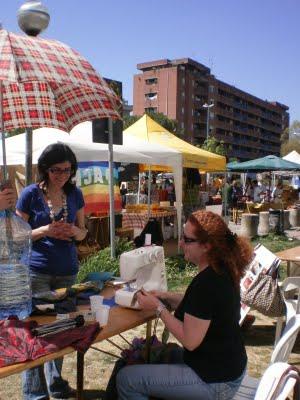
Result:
[[59, 230], [7, 198], [147, 301]]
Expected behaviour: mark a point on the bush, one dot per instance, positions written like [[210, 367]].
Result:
[[102, 262]]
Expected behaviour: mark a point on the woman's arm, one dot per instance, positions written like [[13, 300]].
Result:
[[171, 298], [58, 230], [190, 333], [79, 230]]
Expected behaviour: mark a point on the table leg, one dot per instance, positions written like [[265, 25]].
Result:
[[288, 268], [80, 370], [148, 340]]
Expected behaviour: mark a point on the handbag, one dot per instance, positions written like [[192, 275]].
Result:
[[265, 296]]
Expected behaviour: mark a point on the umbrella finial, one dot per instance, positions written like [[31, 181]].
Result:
[[33, 17]]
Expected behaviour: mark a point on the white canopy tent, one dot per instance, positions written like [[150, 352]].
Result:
[[80, 141], [293, 156], [160, 155], [42, 137]]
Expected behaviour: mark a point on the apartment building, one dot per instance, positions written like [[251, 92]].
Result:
[[181, 89]]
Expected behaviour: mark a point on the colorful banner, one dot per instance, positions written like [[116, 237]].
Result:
[[93, 179]]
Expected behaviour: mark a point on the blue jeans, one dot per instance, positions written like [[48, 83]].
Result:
[[36, 380], [170, 381]]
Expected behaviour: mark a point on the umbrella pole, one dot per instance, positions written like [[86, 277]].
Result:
[[4, 166], [111, 190], [149, 192], [139, 189], [28, 156]]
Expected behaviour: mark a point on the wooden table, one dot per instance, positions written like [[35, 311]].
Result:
[[120, 320], [289, 255]]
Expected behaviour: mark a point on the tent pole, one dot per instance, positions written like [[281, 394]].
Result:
[[28, 156], [4, 166], [111, 190], [139, 189], [149, 192]]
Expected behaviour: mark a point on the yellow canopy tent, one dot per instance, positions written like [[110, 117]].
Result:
[[147, 130]]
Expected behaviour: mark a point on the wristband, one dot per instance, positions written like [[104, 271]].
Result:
[[159, 309]]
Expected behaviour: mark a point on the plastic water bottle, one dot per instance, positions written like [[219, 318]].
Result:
[[15, 249]]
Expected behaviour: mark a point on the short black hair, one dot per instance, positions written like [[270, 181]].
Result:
[[54, 154]]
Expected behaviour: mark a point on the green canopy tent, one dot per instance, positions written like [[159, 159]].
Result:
[[264, 164], [268, 163]]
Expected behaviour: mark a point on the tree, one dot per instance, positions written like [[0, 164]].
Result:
[[214, 146], [170, 124], [287, 147], [289, 141], [295, 126]]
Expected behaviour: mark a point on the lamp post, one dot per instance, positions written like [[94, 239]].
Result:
[[208, 106]]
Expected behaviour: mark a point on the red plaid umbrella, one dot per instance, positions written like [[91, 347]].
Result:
[[44, 83]]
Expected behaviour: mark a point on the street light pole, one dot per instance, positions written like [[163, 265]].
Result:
[[208, 106]]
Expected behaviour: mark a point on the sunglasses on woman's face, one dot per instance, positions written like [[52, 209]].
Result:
[[60, 171], [187, 240]]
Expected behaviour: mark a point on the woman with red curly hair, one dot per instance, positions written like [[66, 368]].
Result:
[[206, 321]]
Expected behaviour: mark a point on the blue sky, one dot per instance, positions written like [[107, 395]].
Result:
[[253, 45]]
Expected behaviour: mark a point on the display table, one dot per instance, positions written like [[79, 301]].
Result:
[[120, 320], [289, 255], [138, 220]]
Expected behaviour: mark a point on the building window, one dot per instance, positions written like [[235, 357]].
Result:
[[182, 110], [211, 89], [151, 81], [150, 110], [150, 96], [182, 125], [182, 94], [183, 80]]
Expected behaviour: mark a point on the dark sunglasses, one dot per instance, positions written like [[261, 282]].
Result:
[[186, 239], [59, 171]]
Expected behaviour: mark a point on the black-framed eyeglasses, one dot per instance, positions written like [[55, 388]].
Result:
[[60, 171], [187, 240]]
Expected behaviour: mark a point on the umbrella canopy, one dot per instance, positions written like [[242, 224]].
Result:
[[44, 83], [148, 130], [268, 163]]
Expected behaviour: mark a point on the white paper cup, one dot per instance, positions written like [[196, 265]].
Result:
[[102, 314], [96, 301]]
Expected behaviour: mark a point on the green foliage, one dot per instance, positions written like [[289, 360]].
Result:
[[290, 145], [214, 146], [291, 129], [179, 272], [129, 120], [102, 262]]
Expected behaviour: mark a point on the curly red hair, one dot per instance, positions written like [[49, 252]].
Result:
[[227, 249]]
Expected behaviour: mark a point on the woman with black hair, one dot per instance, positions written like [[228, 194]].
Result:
[[54, 209]]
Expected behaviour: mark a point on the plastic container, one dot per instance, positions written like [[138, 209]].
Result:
[[15, 249]]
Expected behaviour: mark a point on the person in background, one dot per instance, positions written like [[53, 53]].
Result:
[[248, 191], [54, 209], [154, 194], [123, 192], [213, 359], [7, 197], [276, 195], [259, 191]]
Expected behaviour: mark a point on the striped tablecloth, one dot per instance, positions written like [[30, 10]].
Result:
[[139, 220]]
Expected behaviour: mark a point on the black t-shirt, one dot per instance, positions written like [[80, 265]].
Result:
[[221, 357]]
